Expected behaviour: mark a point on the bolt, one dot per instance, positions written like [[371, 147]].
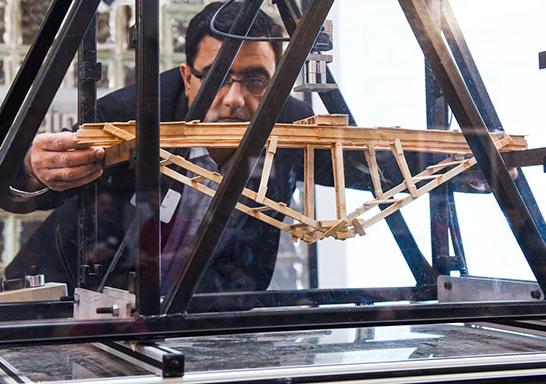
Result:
[[114, 310], [535, 294], [448, 285]]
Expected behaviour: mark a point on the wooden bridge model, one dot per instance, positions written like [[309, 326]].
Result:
[[329, 132]]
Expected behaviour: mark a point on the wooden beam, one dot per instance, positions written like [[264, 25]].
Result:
[[398, 153], [332, 119], [210, 192], [339, 180], [309, 182], [118, 153], [266, 171], [228, 135], [217, 178], [371, 159]]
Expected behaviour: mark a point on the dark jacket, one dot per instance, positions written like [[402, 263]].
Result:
[[245, 256]]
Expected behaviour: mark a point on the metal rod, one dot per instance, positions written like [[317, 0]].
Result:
[[88, 74], [148, 190], [477, 136], [526, 158], [422, 271], [178, 325], [117, 256], [478, 91], [36, 310], [333, 100], [48, 80], [468, 68], [31, 64], [455, 231], [437, 118], [236, 301], [245, 157]]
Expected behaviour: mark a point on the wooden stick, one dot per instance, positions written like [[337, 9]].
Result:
[[403, 165], [309, 182], [119, 153], [371, 159], [439, 166], [239, 206], [229, 135], [339, 180], [266, 171], [216, 178], [358, 227], [425, 189]]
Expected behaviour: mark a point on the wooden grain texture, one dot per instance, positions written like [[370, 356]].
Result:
[[228, 135]]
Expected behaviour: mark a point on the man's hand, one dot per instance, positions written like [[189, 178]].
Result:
[[473, 180], [54, 161]]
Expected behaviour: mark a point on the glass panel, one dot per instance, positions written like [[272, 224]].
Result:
[[319, 224]]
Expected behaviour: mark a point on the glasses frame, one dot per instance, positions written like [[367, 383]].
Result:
[[229, 81]]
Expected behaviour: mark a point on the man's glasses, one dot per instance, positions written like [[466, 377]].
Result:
[[255, 85]]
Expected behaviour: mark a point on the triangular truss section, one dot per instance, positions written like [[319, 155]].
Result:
[[327, 132]]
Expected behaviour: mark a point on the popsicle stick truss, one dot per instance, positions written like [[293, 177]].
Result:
[[330, 132]]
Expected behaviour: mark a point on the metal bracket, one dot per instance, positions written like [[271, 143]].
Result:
[[542, 60], [108, 304], [463, 289], [446, 264]]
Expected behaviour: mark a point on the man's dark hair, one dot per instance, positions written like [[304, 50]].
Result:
[[199, 27]]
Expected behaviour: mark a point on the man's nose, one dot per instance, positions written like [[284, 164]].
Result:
[[234, 97]]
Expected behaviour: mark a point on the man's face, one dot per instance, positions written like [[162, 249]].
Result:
[[234, 102]]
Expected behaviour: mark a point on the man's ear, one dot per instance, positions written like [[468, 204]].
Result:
[[186, 76]]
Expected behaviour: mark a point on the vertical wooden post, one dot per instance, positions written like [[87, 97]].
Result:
[[339, 180], [268, 162], [309, 181], [371, 159]]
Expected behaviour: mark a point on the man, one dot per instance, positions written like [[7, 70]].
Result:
[[245, 256]]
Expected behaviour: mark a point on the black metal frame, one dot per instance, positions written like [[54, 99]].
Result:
[[148, 324], [148, 184], [179, 325], [334, 102], [31, 64], [89, 72], [236, 301], [446, 72], [44, 83]]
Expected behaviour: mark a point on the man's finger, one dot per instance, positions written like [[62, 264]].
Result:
[[71, 158], [62, 141], [68, 175], [60, 186]]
